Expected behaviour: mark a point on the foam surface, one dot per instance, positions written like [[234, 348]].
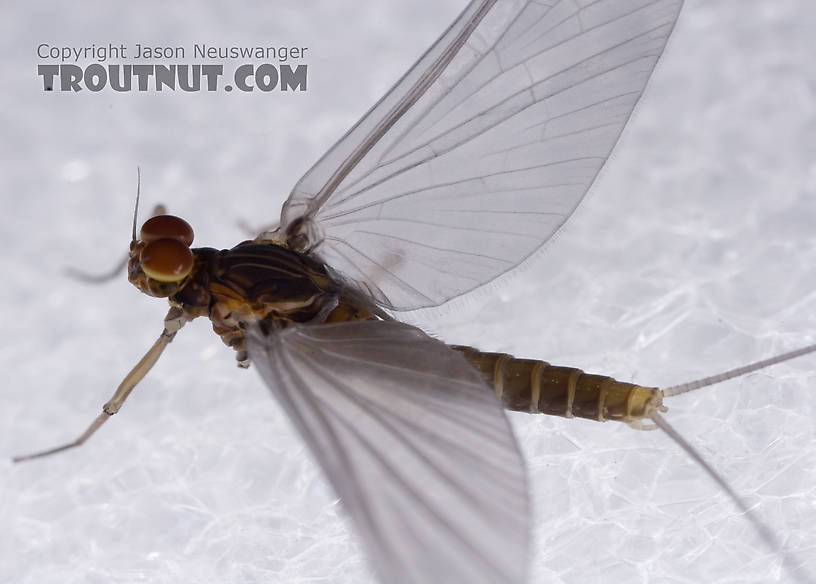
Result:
[[693, 254]]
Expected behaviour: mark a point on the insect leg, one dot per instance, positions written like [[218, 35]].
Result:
[[174, 320], [90, 278]]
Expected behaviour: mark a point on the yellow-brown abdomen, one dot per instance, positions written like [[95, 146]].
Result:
[[528, 385]]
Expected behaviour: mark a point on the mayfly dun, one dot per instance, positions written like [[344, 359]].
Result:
[[465, 169]]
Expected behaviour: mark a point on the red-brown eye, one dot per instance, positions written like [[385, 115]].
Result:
[[167, 227], [166, 260]]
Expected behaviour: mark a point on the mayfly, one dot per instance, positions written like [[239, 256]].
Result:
[[460, 173]]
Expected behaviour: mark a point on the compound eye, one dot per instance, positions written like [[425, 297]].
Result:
[[166, 260], [166, 227]]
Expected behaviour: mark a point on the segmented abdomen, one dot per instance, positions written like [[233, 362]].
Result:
[[528, 385]]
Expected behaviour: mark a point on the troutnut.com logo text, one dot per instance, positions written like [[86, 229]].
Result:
[[121, 67]]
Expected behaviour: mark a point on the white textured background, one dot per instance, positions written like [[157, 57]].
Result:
[[694, 253]]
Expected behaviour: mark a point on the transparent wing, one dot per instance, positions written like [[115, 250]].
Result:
[[414, 443], [482, 150]]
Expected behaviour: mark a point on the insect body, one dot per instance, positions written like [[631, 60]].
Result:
[[252, 282], [539, 388], [461, 172], [266, 283]]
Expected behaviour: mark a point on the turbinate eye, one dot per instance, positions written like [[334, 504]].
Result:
[[167, 227], [166, 260]]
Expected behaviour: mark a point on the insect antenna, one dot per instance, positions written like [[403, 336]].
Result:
[[789, 561], [136, 206], [100, 278]]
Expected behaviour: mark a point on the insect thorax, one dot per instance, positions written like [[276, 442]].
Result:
[[261, 283]]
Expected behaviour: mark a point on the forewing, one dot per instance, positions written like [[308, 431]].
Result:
[[482, 150], [414, 443]]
